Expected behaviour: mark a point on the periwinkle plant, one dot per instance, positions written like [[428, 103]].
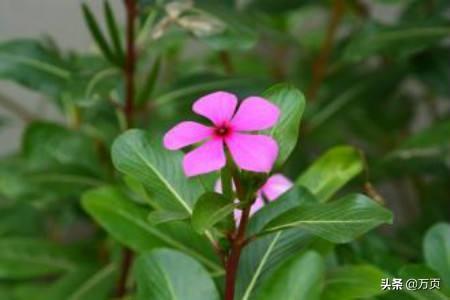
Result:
[[241, 158], [256, 153]]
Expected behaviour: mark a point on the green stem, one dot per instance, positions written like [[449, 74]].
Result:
[[225, 178]]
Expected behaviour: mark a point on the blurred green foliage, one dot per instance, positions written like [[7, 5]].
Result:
[[74, 194]]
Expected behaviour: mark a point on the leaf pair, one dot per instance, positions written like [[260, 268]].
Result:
[[116, 55]]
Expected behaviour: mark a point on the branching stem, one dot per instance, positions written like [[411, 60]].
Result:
[[321, 63]]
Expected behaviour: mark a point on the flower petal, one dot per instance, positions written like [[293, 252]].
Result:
[[207, 158], [255, 153], [255, 113], [275, 186], [185, 134], [219, 107]]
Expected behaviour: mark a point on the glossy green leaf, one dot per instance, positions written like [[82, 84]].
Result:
[[436, 247], [260, 257], [142, 157], [97, 34], [210, 209], [331, 171], [127, 222], [83, 284], [353, 282], [163, 216], [165, 274], [22, 258], [299, 278], [339, 221], [291, 103]]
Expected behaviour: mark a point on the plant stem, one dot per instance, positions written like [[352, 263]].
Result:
[[237, 243], [226, 62], [129, 72], [127, 259], [130, 61], [320, 65]]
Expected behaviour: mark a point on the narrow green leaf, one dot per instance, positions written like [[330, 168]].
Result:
[[165, 274], [83, 284], [331, 171], [299, 278], [150, 82], [436, 248], [339, 221], [113, 30], [22, 258], [127, 222], [97, 34], [291, 103], [158, 169], [210, 209], [353, 282]]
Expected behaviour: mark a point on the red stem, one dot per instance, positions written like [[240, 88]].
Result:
[[321, 63], [130, 61], [128, 72], [127, 259], [237, 244]]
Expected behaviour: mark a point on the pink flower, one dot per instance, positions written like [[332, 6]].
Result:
[[274, 187], [252, 152]]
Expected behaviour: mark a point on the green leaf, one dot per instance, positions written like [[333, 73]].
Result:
[[33, 65], [22, 258], [210, 209], [299, 278], [149, 83], [113, 31], [127, 222], [400, 41], [417, 271], [436, 248], [331, 171], [158, 169], [353, 282], [163, 216], [426, 150], [97, 34], [260, 257], [50, 146], [83, 284], [339, 221], [291, 103], [165, 274], [295, 197]]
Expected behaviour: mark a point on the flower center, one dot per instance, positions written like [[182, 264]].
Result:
[[222, 131]]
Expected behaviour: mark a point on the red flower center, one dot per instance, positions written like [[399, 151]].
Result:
[[222, 131]]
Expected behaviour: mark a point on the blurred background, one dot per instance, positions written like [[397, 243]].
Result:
[[375, 74]]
